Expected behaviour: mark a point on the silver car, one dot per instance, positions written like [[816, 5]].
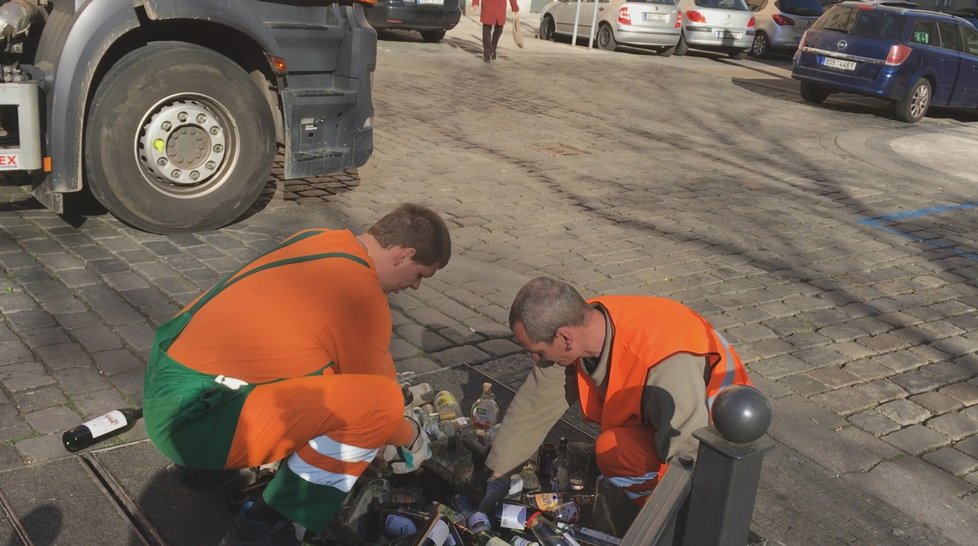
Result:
[[643, 23], [780, 24], [724, 25]]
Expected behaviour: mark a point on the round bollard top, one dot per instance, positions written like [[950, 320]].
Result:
[[741, 414]]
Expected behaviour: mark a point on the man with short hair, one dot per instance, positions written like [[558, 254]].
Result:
[[288, 358], [645, 369]]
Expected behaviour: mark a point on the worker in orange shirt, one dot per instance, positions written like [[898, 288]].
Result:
[[288, 358]]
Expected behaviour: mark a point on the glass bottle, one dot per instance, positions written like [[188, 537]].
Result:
[[510, 515], [520, 540], [559, 476], [546, 533], [101, 428], [447, 406], [482, 538], [436, 533], [485, 410]]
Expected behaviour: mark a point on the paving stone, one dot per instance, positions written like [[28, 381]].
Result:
[[422, 337], [117, 361], [60, 357], [966, 393], [460, 355], [64, 306], [952, 372], [38, 399], [901, 361], [904, 412], [96, 338], [820, 357], [954, 425], [24, 376], [917, 439], [41, 448], [780, 366], [952, 461], [12, 424], [45, 337], [401, 350], [917, 381], [94, 404], [881, 390], [873, 422], [936, 402], [884, 343], [138, 335], [957, 346], [804, 384], [81, 380], [32, 319], [968, 446], [54, 419], [16, 301], [869, 442], [130, 384], [868, 369], [834, 377], [500, 347]]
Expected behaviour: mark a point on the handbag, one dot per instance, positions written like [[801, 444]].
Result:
[[517, 33]]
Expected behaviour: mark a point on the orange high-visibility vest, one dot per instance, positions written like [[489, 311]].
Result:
[[648, 330]]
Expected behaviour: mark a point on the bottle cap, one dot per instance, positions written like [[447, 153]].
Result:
[[531, 521], [486, 387]]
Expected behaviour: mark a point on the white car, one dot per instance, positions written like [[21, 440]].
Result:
[[724, 25], [781, 23], [653, 24]]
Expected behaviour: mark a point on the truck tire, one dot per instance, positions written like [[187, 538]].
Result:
[[178, 138]]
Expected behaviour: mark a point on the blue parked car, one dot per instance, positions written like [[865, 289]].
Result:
[[914, 58]]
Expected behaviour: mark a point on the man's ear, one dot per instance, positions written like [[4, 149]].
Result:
[[404, 253], [563, 338]]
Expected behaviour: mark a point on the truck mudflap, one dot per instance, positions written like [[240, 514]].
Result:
[[20, 143]]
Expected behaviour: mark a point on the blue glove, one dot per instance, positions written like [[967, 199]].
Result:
[[496, 490]]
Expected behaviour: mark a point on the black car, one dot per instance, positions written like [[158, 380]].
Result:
[[432, 18]]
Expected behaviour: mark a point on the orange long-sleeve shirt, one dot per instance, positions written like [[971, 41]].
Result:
[[291, 320]]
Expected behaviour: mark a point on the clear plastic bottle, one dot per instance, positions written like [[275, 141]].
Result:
[[485, 410]]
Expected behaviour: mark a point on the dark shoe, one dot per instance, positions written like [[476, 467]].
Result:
[[494, 54], [485, 59], [248, 532]]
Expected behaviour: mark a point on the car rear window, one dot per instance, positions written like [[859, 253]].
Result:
[[739, 5], [800, 7], [870, 23]]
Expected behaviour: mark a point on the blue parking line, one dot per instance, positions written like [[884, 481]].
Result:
[[884, 223]]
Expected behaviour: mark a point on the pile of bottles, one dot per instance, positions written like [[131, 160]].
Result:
[[542, 519]]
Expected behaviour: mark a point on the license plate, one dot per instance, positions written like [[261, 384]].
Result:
[[839, 64], [654, 17], [726, 34], [437, 2]]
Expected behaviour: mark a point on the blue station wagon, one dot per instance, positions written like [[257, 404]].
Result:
[[917, 59]]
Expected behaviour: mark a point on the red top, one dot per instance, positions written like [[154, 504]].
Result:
[[494, 11]]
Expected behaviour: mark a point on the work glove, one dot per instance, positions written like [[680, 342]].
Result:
[[404, 459], [496, 490]]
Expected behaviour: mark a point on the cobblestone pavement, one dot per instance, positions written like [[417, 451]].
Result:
[[842, 267]]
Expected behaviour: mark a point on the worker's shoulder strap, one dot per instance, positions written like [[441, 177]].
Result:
[[238, 275]]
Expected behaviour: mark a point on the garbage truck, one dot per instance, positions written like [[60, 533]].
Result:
[[172, 112]]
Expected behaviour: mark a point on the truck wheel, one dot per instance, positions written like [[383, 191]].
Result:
[[178, 138]]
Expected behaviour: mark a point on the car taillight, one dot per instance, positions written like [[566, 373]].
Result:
[[898, 53], [752, 22], [783, 20], [679, 19], [623, 16], [695, 17]]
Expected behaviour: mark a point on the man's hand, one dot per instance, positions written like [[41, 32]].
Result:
[[404, 459]]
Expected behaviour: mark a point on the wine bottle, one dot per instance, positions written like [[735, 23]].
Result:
[[510, 515], [559, 476], [101, 428]]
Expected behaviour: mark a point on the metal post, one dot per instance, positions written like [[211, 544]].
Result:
[[594, 23], [728, 469], [577, 15]]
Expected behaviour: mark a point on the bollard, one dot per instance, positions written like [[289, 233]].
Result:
[[728, 469]]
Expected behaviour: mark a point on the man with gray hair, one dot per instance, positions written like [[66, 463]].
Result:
[[645, 369]]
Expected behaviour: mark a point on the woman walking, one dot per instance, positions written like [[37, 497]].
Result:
[[493, 17]]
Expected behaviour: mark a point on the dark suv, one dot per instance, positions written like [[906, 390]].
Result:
[[914, 58], [432, 18]]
